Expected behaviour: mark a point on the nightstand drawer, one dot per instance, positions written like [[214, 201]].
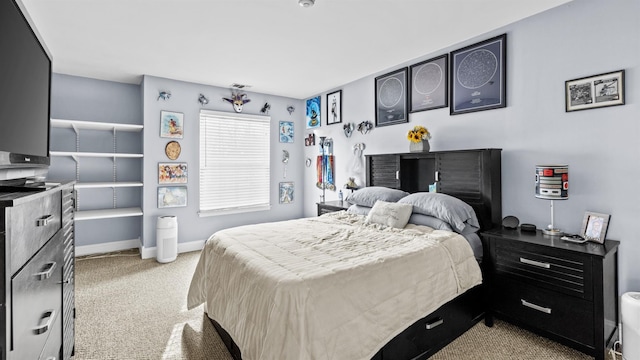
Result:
[[568, 273], [563, 315]]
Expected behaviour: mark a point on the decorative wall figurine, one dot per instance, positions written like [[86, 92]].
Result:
[[265, 108], [348, 129], [203, 100], [238, 100], [290, 109], [365, 126], [164, 95]]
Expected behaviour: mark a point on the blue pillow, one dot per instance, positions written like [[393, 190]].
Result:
[[458, 214]]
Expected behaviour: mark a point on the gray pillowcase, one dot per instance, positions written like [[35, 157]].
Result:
[[369, 195], [430, 221], [358, 210], [458, 214]]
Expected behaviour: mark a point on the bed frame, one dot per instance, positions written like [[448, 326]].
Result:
[[473, 176]]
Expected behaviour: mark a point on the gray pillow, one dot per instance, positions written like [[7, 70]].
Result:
[[458, 214], [369, 195], [358, 210], [390, 214], [430, 221]]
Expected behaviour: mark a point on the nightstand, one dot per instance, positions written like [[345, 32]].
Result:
[[564, 291], [331, 206]]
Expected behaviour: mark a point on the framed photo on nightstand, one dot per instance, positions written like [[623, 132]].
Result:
[[594, 226]]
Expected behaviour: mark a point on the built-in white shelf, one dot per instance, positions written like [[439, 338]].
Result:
[[107, 213], [97, 185], [94, 154], [90, 125]]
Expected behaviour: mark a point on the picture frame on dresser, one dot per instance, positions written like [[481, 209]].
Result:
[[594, 226]]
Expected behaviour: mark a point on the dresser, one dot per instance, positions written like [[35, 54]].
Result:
[[331, 206], [565, 291], [38, 310]]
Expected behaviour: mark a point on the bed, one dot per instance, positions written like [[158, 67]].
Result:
[[347, 285]]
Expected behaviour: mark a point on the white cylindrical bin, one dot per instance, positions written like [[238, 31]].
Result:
[[167, 239], [630, 312]]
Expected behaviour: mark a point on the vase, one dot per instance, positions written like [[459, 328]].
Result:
[[422, 146]]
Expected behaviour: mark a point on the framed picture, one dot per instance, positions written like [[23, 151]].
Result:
[[479, 76], [285, 131], [391, 98], [594, 91], [429, 84], [172, 196], [172, 173], [594, 226], [171, 124], [286, 192], [310, 140], [313, 113], [172, 150], [334, 107]]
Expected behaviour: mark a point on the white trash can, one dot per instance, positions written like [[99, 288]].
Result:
[[630, 325], [167, 239]]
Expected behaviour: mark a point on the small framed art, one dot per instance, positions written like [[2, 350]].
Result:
[[313, 113], [172, 173], [334, 107], [479, 76], [391, 98], [594, 91], [594, 226], [286, 192], [429, 84], [172, 196], [171, 124], [285, 131]]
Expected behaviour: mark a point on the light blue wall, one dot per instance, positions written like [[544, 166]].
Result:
[[581, 38], [184, 99]]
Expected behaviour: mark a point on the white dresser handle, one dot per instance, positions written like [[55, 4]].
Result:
[[41, 329], [44, 275], [535, 263], [44, 221], [536, 307], [435, 324]]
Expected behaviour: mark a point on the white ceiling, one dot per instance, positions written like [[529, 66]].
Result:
[[275, 46]]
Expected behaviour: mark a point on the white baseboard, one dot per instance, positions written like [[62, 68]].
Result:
[[107, 247], [151, 252], [145, 253]]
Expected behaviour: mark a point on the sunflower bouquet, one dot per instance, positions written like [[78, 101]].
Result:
[[418, 133]]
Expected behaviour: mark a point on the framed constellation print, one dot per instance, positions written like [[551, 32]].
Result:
[[479, 76], [391, 98], [429, 84]]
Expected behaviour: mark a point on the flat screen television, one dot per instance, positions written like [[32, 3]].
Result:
[[25, 99]]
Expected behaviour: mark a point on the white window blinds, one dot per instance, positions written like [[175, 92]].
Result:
[[234, 162]]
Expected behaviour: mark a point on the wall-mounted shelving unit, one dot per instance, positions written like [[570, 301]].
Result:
[[78, 126]]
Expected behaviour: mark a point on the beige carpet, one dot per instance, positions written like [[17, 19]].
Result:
[[129, 308]]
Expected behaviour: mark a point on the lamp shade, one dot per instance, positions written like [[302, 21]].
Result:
[[552, 182]]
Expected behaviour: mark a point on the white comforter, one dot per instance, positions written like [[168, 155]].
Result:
[[328, 287]]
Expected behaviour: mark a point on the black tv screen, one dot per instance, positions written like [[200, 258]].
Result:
[[25, 85]]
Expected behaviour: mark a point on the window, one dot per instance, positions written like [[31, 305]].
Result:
[[234, 163]]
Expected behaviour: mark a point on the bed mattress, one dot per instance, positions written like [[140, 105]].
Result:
[[329, 287]]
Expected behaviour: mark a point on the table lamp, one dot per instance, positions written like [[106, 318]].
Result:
[[552, 183]]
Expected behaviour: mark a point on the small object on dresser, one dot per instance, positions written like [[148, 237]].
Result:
[[574, 239], [510, 222], [340, 195], [528, 228]]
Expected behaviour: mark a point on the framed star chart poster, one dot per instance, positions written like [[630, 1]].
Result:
[[479, 76], [391, 98], [429, 84]]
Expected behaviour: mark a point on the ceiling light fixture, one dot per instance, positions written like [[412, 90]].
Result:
[[306, 3]]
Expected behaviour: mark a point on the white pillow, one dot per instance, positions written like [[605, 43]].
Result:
[[390, 214]]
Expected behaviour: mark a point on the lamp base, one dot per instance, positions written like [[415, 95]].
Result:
[[552, 232]]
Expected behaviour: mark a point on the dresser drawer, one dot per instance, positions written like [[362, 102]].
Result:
[[36, 300], [569, 273], [31, 224], [563, 315], [51, 349]]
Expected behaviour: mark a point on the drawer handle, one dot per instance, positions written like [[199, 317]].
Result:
[[44, 221], [435, 324], [397, 175], [49, 315], [543, 309], [535, 263], [44, 275]]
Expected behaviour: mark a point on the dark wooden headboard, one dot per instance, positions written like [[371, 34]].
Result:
[[474, 176]]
